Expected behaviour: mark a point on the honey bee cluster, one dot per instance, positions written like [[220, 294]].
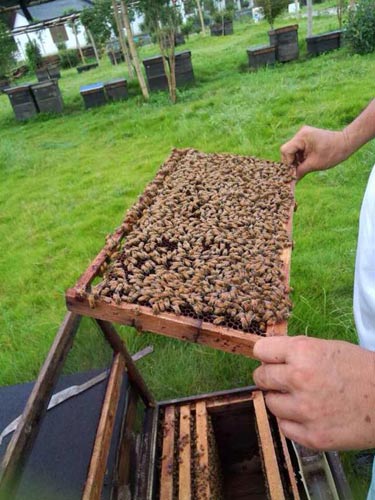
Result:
[[205, 240]]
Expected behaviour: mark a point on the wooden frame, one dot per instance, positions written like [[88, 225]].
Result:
[[268, 450], [184, 492], [181, 327], [167, 460]]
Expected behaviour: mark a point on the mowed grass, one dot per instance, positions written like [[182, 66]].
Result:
[[67, 180]]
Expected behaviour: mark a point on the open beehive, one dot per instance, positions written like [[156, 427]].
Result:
[[203, 255], [222, 447]]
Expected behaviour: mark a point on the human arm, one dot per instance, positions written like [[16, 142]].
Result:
[[318, 149], [322, 391]]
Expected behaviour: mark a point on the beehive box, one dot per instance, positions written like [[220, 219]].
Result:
[[203, 255], [217, 448]]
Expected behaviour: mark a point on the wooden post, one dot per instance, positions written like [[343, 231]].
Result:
[[133, 50], [309, 17], [74, 28], [99, 457], [135, 377], [36, 407], [121, 35], [92, 41], [199, 7]]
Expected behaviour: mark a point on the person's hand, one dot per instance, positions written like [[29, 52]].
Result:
[[322, 391], [315, 149]]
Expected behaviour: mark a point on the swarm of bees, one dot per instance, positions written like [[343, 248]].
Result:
[[205, 240]]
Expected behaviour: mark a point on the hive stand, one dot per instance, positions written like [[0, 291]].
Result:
[[24, 437]]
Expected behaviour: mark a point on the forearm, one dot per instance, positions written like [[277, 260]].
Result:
[[361, 130]]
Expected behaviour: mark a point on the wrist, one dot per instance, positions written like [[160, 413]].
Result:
[[349, 143]]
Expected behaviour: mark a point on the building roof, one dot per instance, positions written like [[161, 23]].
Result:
[[57, 8]]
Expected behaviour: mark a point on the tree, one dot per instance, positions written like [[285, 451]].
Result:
[[33, 55], [272, 9], [74, 25], [360, 27], [97, 21], [341, 8], [7, 49], [163, 20], [201, 18], [133, 48], [118, 12]]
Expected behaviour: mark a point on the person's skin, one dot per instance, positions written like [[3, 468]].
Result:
[[314, 149], [322, 391]]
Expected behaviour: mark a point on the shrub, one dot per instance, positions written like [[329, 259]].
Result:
[[7, 49], [223, 16], [188, 27], [68, 58], [33, 55], [272, 9], [360, 27]]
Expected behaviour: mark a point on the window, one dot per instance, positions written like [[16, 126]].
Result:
[[58, 33]]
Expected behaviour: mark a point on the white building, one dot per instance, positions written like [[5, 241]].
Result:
[[48, 37]]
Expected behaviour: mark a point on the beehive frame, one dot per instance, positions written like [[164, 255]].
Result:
[[178, 326]]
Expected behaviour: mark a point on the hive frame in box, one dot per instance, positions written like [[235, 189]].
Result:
[[169, 324]]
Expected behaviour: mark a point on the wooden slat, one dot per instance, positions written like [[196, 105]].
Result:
[[268, 451], [286, 256], [184, 481], [99, 457], [242, 391], [36, 407], [203, 471], [289, 466], [229, 401], [171, 325], [135, 376], [166, 478]]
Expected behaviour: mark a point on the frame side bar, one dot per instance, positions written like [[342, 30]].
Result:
[[275, 486]]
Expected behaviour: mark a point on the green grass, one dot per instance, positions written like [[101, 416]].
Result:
[[66, 181]]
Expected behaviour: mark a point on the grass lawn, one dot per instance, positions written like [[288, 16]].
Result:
[[67, 180]]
